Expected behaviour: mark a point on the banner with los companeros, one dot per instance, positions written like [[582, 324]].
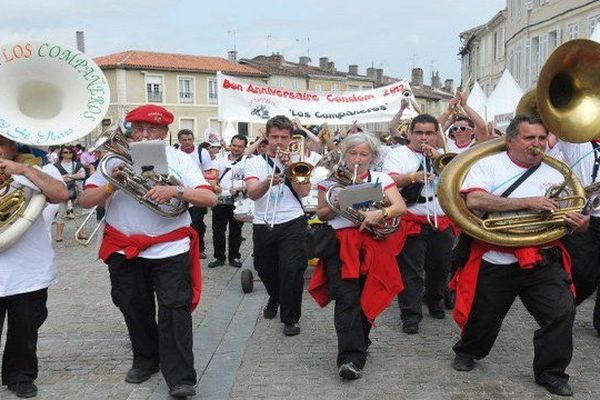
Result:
[[244, 101]]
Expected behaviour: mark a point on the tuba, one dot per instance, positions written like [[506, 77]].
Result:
[[332, 167], [52, 95]]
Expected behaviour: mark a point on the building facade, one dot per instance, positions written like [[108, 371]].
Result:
[[521, 37]]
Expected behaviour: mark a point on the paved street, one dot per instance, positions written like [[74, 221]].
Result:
[[84, 351]]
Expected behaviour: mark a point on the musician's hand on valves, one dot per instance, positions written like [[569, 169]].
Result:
[[371, 218], [9, 167], [118, 173], [284, 158], [541, 204], [218, 189], [577, 221], [277, 179], [161, 194], [429, 151]]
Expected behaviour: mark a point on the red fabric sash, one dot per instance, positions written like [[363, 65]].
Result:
[[133, 245], [360, 254], [465, 279]]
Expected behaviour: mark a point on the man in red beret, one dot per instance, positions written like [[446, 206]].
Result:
[[149, 255]]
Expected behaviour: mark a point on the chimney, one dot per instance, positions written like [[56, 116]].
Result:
[[436, 82], [331, 66], [417, 77], [304, 60], [353, 69], [232, 56], [323, 62], [449, 85], [80, 41], [379, 75], [371, 73], [276, 59]]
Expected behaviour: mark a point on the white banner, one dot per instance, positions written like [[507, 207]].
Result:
[[244, 101]]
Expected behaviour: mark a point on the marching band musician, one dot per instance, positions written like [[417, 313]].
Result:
[[150, 255], [27, 269], [465, 130], [584, 247], [228, 167], [203, 160], [278, 235], [427, 231], [493, 276], [357, 271]]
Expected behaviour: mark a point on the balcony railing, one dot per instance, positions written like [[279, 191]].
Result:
[[155, 97]]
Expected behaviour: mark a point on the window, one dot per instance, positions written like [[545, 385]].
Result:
[[186, 123], [154, 88], [554, 39], [594, 21], [243, 128], [529, 5], [278, 83], [294, 84], [212, 91], [535, 58], [543, 53], [499, 44], [573, 31], [186, 90], [318, 88]]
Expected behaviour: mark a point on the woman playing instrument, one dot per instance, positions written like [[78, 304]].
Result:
[[355, 269]]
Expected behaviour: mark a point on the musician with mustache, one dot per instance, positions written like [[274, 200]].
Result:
[[424, 260], [27, 269]]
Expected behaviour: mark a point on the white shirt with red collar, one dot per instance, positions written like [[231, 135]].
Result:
[[257, 168], [340, 222], [403, 160], [206, 164], [130, 217], [29, 264], [453, 147], [495, 174]]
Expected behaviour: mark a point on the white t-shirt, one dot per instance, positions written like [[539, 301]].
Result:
[[130, 217], [29, 264], [70, 167], [454, 148], [340, 222], [235, 172], [403, 160], [289, 207], [495, 174], [580, 157], [207, 162]]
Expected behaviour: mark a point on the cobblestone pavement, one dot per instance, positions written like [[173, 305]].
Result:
[[84, 350]]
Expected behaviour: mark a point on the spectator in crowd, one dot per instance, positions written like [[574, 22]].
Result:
[[71, 171]]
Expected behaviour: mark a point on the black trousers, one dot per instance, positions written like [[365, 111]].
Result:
[[424, 265], [351, 324], [197, 214], [544, 291], [280, 260], [168, 343], [25, 313], [584, 249], [222, 215]]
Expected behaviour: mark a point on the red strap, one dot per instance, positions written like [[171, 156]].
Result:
[[133, 245]]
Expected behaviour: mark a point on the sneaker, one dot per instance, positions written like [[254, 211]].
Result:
[[139, 375], [270, 310], [24, 390], [236, 263], [182, 391], [349, 371], [216, 263], [291, 329]]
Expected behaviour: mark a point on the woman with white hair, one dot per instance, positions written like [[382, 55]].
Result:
[[356, 270]]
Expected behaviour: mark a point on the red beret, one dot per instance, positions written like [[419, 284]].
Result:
[[151, 114]]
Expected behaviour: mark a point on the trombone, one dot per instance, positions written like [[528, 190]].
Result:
[[87, 240]]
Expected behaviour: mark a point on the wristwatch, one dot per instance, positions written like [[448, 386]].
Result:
[[180, 189]]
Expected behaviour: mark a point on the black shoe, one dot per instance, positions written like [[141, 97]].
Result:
[[139, 375], [556, 386], [449, 299], [410, 328], [436, 311], [236, 263], [203, 256], [24, 390], [270, 310], [216, 263], [349, 371], [291, 329], [182, 391], [462, 363]]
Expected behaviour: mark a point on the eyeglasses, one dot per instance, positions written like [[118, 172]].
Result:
[[150, 129], [67, 152], [428, 133], [461, 128]]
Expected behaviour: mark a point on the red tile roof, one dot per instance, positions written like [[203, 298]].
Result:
[[175, 62]]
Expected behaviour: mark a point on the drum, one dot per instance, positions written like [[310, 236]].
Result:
[[244, 209], [310, 202], [225, 197]]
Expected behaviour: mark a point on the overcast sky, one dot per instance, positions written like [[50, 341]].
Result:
[[385, 34]]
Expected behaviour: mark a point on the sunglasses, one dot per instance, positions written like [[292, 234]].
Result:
[[460, 128], [67, 152]]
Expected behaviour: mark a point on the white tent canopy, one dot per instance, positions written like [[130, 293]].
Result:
[[501, 104], [229, 132], [477, 100]]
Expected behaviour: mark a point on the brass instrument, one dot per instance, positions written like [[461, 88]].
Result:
[[135, 185], [85, 240], [338, 172], [529, 229]]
